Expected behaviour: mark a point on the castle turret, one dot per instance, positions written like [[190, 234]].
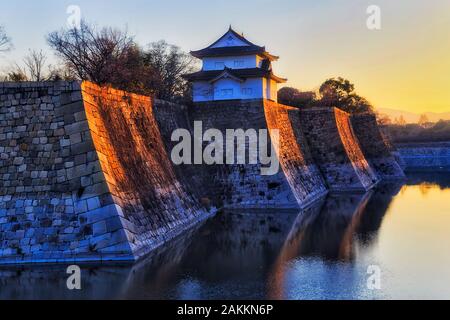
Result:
[[234, 68]]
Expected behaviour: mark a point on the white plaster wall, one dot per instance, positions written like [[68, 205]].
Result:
[[273, 91], [255, 84], [265, 86], [270, 89], [233, 62], [228, 89], [202, 91], [259, 61]]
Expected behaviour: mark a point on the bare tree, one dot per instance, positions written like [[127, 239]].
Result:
[[35, 63], [423, 120], [17, 74], [111, 56], [5, 41], [400, 121], [168, 64], [95, 55], [60, 72], [383, 119]]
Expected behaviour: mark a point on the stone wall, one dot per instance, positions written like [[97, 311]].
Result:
[[84, 176], [138, 171], [195, 178], [294, 155], [375, 147], [50, 177], [297, 183], [336, 151], [238, 186], [428, 156]]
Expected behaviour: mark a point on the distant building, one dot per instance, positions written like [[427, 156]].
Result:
[[234, 68]]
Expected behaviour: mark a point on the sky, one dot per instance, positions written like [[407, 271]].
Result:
[[405, 65]]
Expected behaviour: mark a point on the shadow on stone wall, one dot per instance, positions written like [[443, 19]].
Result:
[[138, 170], [376, 148], [336, 150]]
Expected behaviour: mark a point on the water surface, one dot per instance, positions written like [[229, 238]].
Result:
[[321, 253]]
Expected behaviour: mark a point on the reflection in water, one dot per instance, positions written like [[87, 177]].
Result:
[[375, 210], [226, 259], [324, 237], [320, 253], [329, 232]]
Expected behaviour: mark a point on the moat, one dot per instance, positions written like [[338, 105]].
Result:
[[324, 252]]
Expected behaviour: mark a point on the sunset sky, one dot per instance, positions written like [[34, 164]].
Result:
[[405, 65]]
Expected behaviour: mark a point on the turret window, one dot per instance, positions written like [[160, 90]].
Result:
[[220, 65], [226, 92], [247, 91], [206, 92], [239, 63]]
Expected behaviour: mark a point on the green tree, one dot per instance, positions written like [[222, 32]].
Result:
[[340, 93]]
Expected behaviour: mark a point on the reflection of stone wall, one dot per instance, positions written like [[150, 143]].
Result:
[[336, 149], [240, 241], [327, 229], [375, 147]]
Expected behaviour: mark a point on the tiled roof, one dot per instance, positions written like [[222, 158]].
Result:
[[233, 51], [248, 49], [237, 73]]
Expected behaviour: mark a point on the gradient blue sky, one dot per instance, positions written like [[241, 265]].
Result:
[[405, 65]]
